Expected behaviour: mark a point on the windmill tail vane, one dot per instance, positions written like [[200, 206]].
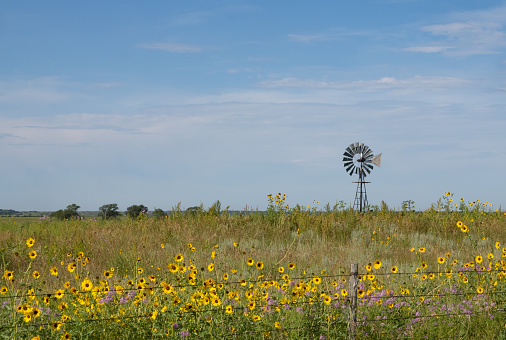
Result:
[[359, 160]]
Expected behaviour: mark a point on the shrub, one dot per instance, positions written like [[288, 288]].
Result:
[[108, 211], [67, 214], [134, 211]]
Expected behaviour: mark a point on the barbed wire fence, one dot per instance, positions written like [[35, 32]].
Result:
[[352, 301]]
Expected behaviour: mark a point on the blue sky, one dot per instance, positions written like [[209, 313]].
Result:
[[193, 101]]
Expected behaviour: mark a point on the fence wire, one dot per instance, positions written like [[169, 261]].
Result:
[[367, 298]]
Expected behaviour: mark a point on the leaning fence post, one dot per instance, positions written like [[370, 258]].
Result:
[[352, 323]]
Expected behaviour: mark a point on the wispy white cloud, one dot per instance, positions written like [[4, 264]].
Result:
[[467, 33], [332, 34], [462, 29], [41, 90], [7, 135], [296, 139], [472, 37], [171, 47], [385, 82], [428, 49]]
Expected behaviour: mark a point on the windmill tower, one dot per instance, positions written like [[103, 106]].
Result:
[[358, 159]]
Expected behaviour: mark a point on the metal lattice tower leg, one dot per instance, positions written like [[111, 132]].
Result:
[[361, 194]]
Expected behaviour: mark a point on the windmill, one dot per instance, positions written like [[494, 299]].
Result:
[[359, 159]]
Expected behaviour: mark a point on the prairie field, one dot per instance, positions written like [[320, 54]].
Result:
[[279, 274]]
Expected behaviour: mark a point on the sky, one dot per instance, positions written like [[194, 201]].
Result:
[[162, 102]]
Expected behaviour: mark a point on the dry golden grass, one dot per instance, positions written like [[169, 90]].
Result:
[[330, 241]]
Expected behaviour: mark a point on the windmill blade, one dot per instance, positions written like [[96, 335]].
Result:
[[347, 154], [347, 159], [353, 150], [349, 150], [368, 161], [376, 160], [368, 166], [368, 153], [348, 168], [348, 164], [366, 169], [354, 147]]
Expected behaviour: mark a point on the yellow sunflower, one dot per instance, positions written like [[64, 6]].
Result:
[[377, 264], [86, 285]]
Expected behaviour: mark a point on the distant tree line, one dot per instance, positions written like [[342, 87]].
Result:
[[9, 212], [111, 211]]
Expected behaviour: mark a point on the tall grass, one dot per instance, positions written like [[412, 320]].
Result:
[[312, 239], [317, 242]]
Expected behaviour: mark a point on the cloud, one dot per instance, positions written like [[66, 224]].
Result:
[[284, 141], [170, 47], [471, 37], [5, 135], [468, 33], [462, 29], [428, 49], [41, 90], [332, 34], [385, 82]]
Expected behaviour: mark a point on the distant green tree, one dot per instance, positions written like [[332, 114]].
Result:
[[196, 210], [159, 213], [215, 209], [108, 211], [67, 214], [134, 211], [408, 206]]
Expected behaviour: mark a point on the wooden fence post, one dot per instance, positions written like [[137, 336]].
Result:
[[352, 323]]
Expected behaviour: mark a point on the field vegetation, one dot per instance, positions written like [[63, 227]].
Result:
[[279, 274]]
